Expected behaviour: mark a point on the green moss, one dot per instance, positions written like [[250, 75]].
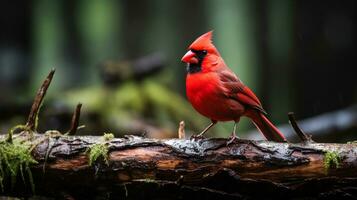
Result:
[[96, 151], [332, 160], [100, 150], [15, 158]]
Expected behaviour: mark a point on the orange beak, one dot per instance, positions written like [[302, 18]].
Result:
[[189, 57]]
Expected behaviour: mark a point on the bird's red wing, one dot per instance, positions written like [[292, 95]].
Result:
[[249, 100], [248, 92], [237, 90]]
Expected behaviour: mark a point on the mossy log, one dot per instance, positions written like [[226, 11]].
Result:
[[178, 169]]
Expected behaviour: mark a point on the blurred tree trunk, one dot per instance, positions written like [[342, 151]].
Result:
[[48, 41], [100, 26], [237, 42], [278, 77]]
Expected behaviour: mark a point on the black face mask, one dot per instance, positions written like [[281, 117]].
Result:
[[194, 68]]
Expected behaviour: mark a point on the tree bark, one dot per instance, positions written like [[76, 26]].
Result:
[[179, 169]]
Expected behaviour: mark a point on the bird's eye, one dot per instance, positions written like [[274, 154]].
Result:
[[200, 54], [204, 52]]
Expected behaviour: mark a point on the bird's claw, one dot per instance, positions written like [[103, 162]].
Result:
[[197, 137], [232, 139]]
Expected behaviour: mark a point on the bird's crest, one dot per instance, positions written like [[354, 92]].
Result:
[[204, 42]]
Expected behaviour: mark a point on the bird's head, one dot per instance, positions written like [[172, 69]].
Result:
[[200, 54]]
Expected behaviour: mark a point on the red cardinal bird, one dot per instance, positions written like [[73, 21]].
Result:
[[217, 93]]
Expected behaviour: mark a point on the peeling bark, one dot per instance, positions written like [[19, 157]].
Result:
[[175, 168]]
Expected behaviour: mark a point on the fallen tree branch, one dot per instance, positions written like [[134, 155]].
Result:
[[189, 167]]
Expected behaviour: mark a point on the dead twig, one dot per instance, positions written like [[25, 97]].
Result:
[[303, 136], [75, 120], [181, 130], [33, 116]]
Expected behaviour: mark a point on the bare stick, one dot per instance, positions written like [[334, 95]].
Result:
[[32, 118], [75, 120], [181, 130], [303, 136]]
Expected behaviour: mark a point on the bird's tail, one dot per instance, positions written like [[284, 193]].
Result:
[[267, 128]]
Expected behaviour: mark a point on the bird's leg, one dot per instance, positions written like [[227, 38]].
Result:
[[200, 136], [207, 128], [234, 136]]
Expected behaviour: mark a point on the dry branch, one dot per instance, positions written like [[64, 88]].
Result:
[[75, 120], [32, 119], [303, 137]]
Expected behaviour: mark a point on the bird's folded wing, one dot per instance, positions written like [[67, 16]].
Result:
[[235, 89]]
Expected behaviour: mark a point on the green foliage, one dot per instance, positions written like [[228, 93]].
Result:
[[100, 150], [15, 158], [332, 160]]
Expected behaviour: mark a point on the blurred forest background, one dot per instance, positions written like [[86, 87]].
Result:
[[121, 59]]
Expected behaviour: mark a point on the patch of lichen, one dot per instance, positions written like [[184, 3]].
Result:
[[100, 150], [332, 160], [15, 159]]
